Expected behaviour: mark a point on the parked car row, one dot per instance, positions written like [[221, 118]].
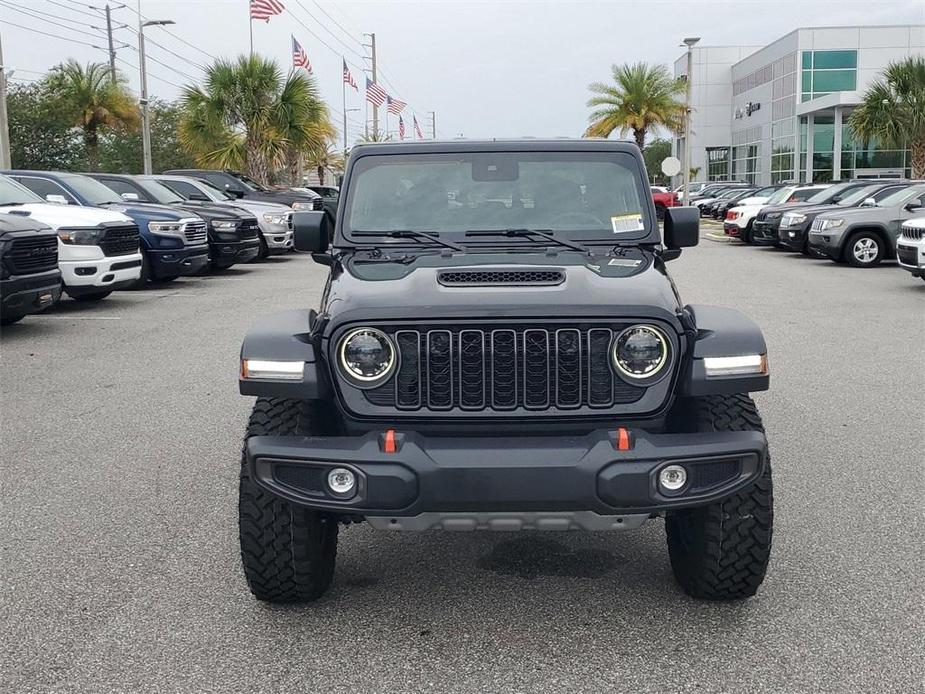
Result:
[[87, 235], [861, 222]]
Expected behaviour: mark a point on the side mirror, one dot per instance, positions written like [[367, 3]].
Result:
[[199, 197], [913, 206], [681, 228], [869, 202], [56, 199], [130, 197], [310, 230], [234, 190]]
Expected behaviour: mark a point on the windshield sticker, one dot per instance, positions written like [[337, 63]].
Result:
[[624, 262], [627, 223]]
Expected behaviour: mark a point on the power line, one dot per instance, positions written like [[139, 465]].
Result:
[[150, 74], [336, 23], [29, 13], [54, 36], [166, 65], [332, 34], [170, 33], [72, 9], [324, 43], [148, 40]]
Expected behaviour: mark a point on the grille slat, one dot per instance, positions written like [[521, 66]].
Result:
[[534, 368], [249, 229], [33, 255], [911, 233], [196, 233], [120, 240]]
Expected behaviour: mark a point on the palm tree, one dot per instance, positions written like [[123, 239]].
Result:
[[642, 97], [93, 99], [325, 158], [249, 116], [892, 112], [303, 122]]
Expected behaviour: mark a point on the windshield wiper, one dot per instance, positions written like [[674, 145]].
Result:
[[411, 234], [542, 233], [11, 204]]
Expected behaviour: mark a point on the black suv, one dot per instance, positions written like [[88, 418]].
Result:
[[233, 233], [240, 186], [29, 277], [499, 346]]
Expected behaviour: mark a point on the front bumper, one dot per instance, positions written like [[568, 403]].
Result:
[[494, 475], [731, 228], [181, 262], [100, 274], [25, 294], [277, 238], [826, 243], [224, 254], [765, 232], [911, 256], [793, 238]]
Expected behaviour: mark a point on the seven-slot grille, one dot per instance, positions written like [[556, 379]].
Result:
[[249, 228], [121, 240], [33, 255], [912, 233], [195, 232], [818, 224], [530, 367]]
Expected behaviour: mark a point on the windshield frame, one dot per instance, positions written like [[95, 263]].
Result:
[[648, 234], [30, 197]]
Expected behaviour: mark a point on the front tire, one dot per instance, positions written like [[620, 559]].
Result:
[[721, 551], [746, 234], [287, 551], [864, 249]]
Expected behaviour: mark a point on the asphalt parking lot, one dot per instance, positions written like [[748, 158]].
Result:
[[121, 432]]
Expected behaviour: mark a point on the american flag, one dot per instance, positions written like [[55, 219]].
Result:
[[264, 9], [348, 78], [417, 128], [396, 106], [374, 93], [300, 57], [401, 128]]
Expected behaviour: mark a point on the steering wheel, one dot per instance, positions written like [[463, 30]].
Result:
[[566, 216]]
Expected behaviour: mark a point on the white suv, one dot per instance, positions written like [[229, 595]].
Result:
[[739, 219], [98, 249], [910, 247]]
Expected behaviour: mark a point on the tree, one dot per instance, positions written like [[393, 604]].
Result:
[[326, 158], [892, 112], [121, 149], [304, 123], [654, 154], [249, 117], [92, 100], [41, 136], [643, 97]]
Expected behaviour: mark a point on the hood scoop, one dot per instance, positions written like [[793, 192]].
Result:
[[501, 277]]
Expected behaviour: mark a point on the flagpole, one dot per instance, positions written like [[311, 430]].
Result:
[[250, 25]]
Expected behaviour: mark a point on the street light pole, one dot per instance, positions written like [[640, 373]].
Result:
[[690, 43], [145, 121]]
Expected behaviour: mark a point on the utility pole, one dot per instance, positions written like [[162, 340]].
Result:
[[375, 78], [433, 125], [4, 122], [690, 43], [112, 50]]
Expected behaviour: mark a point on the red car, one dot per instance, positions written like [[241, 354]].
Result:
[[662, 197]]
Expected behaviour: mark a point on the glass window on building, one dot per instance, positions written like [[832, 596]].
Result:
[[869, 158], [824, 72], [717, 163]]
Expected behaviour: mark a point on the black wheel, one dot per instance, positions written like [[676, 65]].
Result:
[[145, 272], [721, 551], [864, 249], [288, 552], [90, 297], [264, 251], [746, 234], [10, 318]]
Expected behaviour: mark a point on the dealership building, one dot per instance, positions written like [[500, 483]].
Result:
[[766, 114]]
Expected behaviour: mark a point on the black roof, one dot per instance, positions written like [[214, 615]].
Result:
[[507, 145]]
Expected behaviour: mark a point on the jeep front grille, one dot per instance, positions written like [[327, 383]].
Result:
[[912, 233], [514, 277], [121, 240], [509, 368], [33, 255], [195, 233]]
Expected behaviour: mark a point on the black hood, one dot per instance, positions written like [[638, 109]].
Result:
[[211, 211], [282, 197], [414, 285]]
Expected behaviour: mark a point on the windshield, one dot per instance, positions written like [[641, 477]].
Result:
[[249, 183], [213, 192], [159, 192], [780, 196], [857, 196], [587, 195], [764, 192], [900, 197], [94, 192], [12, 193]]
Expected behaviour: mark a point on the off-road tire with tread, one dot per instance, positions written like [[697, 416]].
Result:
[[721, 551], [288, 552]]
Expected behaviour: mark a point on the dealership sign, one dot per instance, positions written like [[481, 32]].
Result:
[[748, 109]]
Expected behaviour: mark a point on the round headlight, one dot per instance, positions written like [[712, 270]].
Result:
[[640, 352], [367, 355]]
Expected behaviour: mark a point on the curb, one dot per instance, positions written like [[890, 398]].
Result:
[[718, 237]]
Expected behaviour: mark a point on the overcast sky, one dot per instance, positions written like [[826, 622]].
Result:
[[487, 68]]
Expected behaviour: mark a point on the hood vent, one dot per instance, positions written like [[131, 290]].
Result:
[[501, 278]]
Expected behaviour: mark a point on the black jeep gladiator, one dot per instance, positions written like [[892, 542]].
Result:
[[499, 346]]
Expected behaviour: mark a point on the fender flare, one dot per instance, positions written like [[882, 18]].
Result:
[[285, 336], [722, 332]]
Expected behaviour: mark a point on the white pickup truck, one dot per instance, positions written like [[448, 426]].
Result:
[[98, 250]]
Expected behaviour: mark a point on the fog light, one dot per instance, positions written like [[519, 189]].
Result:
[[672, 478], [342, 481]]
